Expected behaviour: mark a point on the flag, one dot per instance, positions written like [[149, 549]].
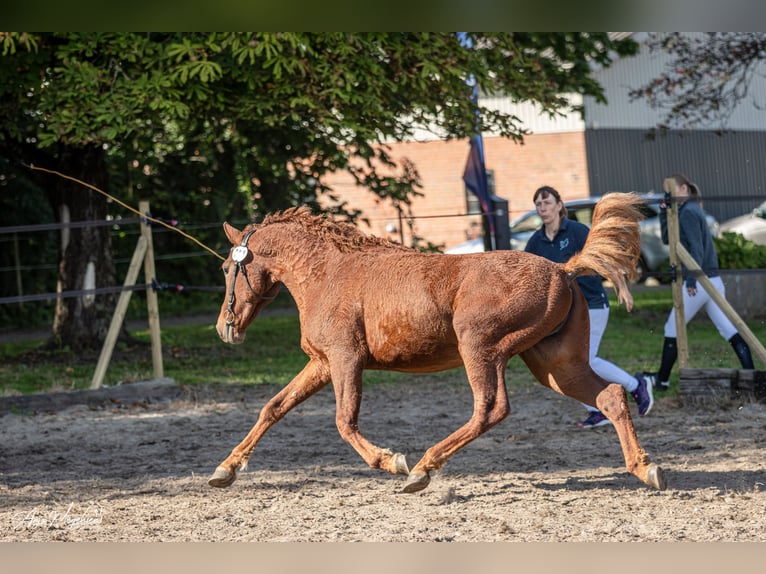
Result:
[[475, 174]]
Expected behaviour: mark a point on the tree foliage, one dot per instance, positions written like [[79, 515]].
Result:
[[292, 106], [214, 126], [707, 77]]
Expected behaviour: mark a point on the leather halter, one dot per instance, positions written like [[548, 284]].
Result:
[[238, 256]]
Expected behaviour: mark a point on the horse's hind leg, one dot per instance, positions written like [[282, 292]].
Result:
[[559, 363], [311, 379]]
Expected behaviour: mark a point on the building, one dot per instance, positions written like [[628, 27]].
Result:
[[607, 150], [727, 165]]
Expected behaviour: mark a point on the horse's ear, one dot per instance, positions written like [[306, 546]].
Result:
[[234, 234]]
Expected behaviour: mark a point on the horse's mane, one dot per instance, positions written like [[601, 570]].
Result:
[[345, 236]]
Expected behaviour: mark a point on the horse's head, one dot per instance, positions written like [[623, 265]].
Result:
[[249, 287]]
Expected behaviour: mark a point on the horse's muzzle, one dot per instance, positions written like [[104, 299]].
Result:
[[229, 334]]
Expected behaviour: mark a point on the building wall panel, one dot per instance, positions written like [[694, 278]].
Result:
[[724, 166], [556, 159]]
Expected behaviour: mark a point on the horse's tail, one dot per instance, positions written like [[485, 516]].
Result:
[[613, 245]]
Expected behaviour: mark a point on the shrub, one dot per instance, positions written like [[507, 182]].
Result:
[[736, 252]]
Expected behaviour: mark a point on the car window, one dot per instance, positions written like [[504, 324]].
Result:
[[648, 211], [531, 223], [583, 214]]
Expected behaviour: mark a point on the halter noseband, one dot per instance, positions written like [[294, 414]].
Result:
[[238, 255]]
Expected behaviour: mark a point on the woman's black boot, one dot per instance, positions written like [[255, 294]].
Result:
[[669, 356], [743, 351]]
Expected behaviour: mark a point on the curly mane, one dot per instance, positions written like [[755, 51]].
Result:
[[345, 236]]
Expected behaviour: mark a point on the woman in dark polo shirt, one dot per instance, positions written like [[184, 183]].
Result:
[[558, 239]]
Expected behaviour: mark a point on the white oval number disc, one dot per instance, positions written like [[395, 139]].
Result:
[[239, 253]]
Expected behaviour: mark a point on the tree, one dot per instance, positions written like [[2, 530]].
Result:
[[257, 118], [707, 77]]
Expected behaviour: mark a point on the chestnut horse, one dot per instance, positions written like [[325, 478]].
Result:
[[368, 303]]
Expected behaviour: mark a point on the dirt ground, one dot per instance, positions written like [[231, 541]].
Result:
[[139, 472]]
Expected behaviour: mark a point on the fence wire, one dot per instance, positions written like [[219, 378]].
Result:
[[667, 275]]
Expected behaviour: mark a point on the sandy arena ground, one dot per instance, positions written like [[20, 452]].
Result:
[[139, 472]]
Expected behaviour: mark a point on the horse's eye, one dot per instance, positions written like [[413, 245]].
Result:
[[226, 270]]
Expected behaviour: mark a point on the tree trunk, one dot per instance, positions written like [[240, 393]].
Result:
[[81, 322]]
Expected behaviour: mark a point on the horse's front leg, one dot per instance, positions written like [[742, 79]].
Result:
[[347, 383], [490, 406], [311, 379]]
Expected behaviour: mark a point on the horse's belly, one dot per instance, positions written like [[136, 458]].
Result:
[[410, 346], [431, 363]]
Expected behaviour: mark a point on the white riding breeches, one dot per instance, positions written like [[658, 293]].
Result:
[[703, 300]]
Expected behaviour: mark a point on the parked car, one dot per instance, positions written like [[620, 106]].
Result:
[[471, 246], [751, 226], [653, 252]]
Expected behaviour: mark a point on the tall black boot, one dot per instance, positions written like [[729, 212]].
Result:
[[743, 351], [669, 356]]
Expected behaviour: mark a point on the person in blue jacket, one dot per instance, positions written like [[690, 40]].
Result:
[[696, 238], [558, 239]]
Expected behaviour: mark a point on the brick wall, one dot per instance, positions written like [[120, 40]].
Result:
[[439, 216]]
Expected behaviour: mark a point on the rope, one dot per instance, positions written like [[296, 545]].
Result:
[[154, 285], [672, 275], [129, 208], [179, 288], [69, 294], [68, 225]]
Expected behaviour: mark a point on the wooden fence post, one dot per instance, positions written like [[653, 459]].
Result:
[[144, 253], [151, 294], [677, 286], [119, 315], [721, 301]]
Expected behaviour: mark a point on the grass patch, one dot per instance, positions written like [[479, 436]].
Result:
[[193, 354], [634, 340]]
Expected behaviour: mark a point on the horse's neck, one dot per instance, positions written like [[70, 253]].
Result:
[[299, 259]]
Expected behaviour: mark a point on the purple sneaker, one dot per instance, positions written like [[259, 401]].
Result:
[[643, 394], [595, 419]]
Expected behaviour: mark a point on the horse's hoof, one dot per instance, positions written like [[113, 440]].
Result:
[[222, 478], [400, 464], [416, 482], [656, 477]]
